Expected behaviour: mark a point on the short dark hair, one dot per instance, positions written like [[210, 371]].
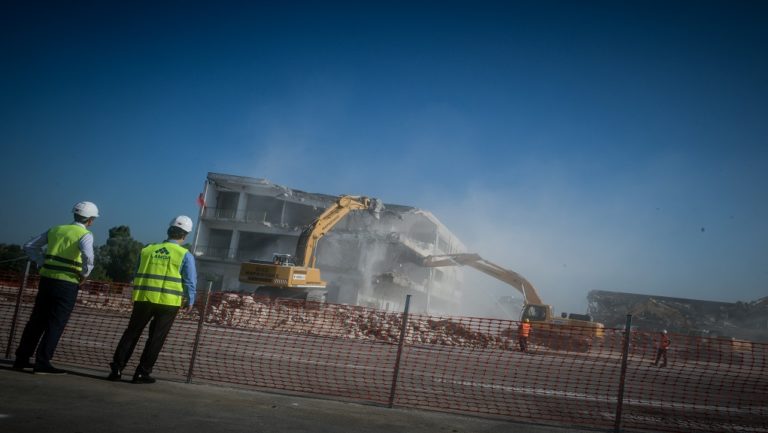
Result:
[[81, 219], [176, 233]]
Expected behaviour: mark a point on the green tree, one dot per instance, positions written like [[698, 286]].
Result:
[[99, 272], [118, 258], [12, 258]]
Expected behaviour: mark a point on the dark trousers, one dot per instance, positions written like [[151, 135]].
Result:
[[53, 306], [162, 317], [661, 353], [523, 341]]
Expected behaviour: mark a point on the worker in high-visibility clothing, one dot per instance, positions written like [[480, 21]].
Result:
[[662, 347], [522, 335], [64, 257], [164, 282]]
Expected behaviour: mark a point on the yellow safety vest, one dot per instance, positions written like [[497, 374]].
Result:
[[158, 279], [63, 260]]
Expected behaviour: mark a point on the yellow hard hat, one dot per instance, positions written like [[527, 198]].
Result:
[[526, 320]]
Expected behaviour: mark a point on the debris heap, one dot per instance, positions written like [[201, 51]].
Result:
[[248, 311]]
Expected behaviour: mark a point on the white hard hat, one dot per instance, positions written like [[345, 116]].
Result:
[[664, 331], [183, 222], [85, 209]]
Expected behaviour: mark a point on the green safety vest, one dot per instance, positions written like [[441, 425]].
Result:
[[158, 279], [63, 260]]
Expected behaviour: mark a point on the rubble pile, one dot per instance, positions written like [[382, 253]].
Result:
[[451, 333], [331, 320], [248, 311], [236, 311], [101, 301], [96, 300]]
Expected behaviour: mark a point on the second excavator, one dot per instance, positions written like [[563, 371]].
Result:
[[570, 331]]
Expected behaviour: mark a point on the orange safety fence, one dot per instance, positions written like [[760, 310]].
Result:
[[569, 376]]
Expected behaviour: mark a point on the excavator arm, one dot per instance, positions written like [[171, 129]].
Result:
[[305, 248], [564, 333], [512, 278]]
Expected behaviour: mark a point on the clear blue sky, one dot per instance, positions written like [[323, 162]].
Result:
[[587, 145]]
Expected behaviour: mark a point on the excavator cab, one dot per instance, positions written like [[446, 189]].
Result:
[[536, 313], [283, 260]]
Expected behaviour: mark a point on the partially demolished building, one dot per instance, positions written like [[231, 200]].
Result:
[[740, 320], [366, 261]]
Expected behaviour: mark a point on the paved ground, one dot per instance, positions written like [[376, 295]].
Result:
[[83, 402]]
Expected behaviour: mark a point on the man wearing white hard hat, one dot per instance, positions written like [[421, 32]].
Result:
[[165, 280], [64, 256]]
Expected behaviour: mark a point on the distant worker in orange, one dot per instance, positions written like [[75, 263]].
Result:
[[522, 335], [664, 343]]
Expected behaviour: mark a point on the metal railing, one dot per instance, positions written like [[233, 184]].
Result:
[[241, 255], [238, 215], [213, 252]]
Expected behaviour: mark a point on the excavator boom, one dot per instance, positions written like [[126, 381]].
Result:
[[305, 248], [474, 260]]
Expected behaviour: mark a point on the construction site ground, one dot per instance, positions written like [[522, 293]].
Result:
[[84, 402]]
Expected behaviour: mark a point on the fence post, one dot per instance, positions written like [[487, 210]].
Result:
[[199, 333], [16, 310], [624, 355], [403, 331]]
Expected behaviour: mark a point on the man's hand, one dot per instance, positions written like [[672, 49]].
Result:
[[186, 307]]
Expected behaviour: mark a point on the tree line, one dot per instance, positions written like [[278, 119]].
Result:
[[116, 260]]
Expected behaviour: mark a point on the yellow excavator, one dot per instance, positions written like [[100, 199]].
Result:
[[295, 276], [569, 332]]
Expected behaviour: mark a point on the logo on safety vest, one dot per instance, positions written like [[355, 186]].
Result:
[[162, 254]]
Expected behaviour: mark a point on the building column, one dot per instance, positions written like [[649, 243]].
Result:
[[241, 206], [431, 278], [234, 244]]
